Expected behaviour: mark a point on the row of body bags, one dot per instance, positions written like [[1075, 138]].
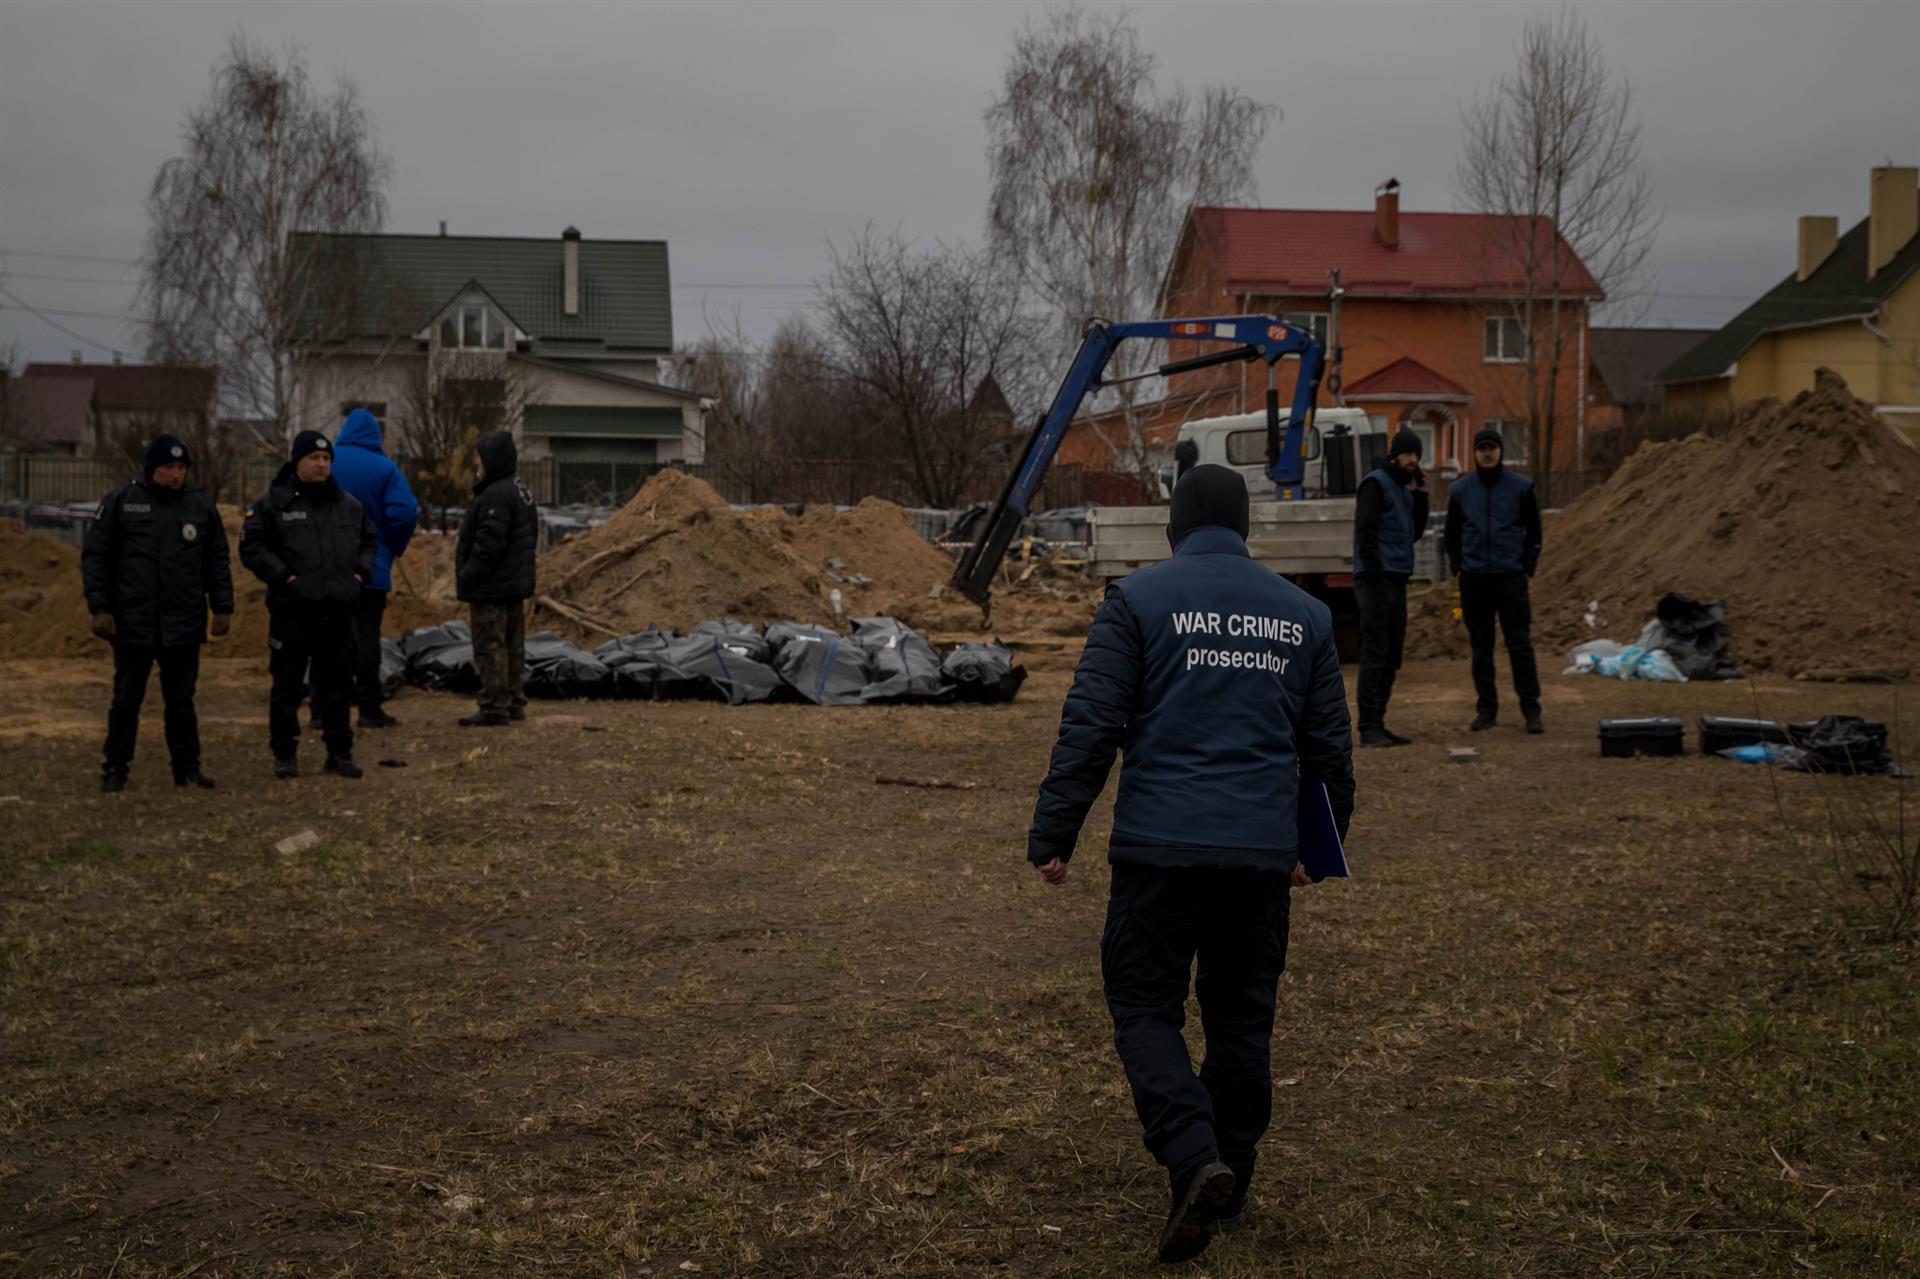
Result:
[[881, 661]]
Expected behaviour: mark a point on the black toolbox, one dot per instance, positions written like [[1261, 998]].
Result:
[[1724, 732], [1655, 735]]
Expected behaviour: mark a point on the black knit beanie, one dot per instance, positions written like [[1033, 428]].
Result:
[[310, 442], [1207, 496], [164, 449], [1404, 441]]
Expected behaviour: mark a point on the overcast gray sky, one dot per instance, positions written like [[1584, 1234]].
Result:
[[746, 135]]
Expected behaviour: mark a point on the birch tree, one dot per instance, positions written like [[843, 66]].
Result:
[[1094, 169], [225, 281], [1554, 145]]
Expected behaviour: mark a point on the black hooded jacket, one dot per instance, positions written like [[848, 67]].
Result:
[[500, 534], [156, 559], [310, 543]]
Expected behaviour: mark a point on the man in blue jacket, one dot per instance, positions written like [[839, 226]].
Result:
[[1493, 542], [370, 477], [1389, 516], [1218, 681]]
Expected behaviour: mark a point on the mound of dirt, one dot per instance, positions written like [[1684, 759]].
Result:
[[1803, 516], [677, 554], [43, 610]]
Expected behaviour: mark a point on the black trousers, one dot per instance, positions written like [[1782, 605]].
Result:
[[179, 672], [1484, 599], [302, 635], [500, 655], [365, 691], [1383, 642], [1158, 921]]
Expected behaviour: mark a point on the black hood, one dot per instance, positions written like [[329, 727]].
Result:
[[1207, 496], [498, 455]]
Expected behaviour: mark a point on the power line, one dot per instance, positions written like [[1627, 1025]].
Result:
[[44, 318], [69, 257], [68, 279]]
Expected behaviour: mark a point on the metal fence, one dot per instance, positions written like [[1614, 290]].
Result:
[[59, 477]]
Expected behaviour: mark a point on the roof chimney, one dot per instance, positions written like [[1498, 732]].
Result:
[[1386, 212], [570, 252], [77, 358], [1893, 212], [443, 228], [1817, 238], [116, 358]]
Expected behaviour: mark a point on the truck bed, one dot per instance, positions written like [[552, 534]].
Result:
[[1314, 536]]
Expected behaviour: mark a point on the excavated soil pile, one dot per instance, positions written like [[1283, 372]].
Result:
[[677, 554], [43, 611], [1804, 517]]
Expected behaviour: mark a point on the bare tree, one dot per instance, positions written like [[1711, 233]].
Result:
[[9, 371], [225, 278], [1554, 146], [910, 335], [1094, 170], [771, 407], [451, 399]]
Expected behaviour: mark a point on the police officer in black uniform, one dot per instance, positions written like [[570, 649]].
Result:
[[1389, 516], [155, 560], [1493, 542], [1219, 682], [314, 547]]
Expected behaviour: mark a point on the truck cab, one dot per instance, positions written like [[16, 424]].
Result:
[[1341, 446]]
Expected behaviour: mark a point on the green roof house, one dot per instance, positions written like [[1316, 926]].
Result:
[[559, 340]]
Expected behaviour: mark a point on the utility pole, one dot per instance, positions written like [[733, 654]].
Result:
[[1334, 380]]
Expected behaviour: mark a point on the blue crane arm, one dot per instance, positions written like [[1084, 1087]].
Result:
[[1249, 337]]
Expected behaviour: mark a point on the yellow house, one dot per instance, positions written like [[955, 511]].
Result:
[[1852, 305]]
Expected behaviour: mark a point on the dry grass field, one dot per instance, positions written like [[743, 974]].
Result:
[[672, 988]]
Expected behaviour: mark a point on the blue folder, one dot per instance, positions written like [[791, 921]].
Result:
[[1320, 849]]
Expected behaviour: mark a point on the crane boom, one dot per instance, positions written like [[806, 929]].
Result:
[[1248, 337]]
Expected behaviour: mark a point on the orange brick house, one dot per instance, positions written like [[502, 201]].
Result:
[[1430, 323]]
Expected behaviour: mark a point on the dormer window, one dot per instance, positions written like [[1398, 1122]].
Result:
[[474, 328]]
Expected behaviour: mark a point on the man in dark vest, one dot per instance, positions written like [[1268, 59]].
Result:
[[1219, 682], [1493, 543], [1389, 516], [313, 546], [155, 560], [494, 573]]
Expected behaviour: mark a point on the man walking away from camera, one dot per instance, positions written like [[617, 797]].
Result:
[[1219, 682], [1389, 516], [154, 562], [313, 546], [494, 574], [1493, 543], [370, 477]]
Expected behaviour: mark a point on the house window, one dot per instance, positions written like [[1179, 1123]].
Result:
[[473, 328], [1513, 438], [1506, 339], [1314, 322]]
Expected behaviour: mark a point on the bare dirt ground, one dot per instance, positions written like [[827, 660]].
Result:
[[695, 992]]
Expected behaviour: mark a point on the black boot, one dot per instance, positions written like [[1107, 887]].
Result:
[[1482, 722], [112, 782], [1234, 1215], [1395, 738], [286, 766], [1377, 737], [1534, 725], [193, 777], [484, 719], [343, 766], [376, 718], [1197, 1204]]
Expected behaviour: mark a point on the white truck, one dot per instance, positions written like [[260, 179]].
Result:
[[1308, 541]]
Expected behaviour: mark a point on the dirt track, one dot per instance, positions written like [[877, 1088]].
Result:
[[697, 988]]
